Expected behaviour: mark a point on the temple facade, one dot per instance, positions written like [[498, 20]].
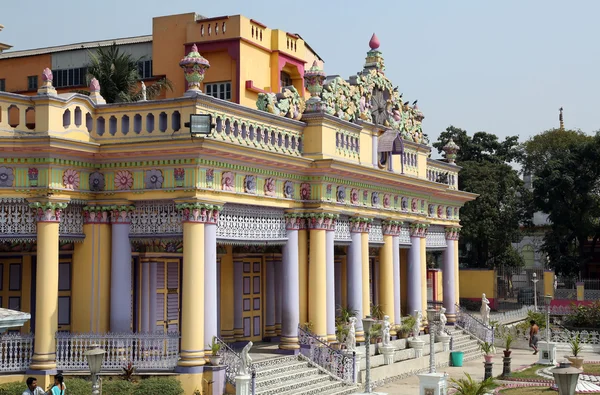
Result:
[[116, 222]]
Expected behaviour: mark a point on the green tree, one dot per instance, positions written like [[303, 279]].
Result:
[[117, 73], [492, 222], [543, 147]]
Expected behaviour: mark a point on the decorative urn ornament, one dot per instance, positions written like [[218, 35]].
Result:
[[451, 149], [194, 66], [313, 80]]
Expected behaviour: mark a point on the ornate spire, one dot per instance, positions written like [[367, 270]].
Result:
[[374, 56], [560, 119], [313, 80], [374, 42], [451, 149], [194, 66]]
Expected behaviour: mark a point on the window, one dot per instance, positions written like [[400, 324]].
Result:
[[2, 85], [32, 82], [145, 69], [220, 90], [69, 77], [285, 79]]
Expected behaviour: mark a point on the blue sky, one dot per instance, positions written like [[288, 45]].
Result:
[[504, 67]]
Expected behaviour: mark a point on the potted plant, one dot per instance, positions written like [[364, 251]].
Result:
[[215, 348], [575, 344], [488, 350], [468, 386], [341, 331], [407, 325]]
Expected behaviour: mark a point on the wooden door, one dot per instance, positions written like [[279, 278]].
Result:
[[167, 295], [252, 298]]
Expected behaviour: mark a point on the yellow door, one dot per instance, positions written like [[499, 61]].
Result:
[[167, 295], [252, 298]]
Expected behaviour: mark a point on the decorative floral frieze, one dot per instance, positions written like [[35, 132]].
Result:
[[386, 201], [269, 188], [32, 174], [288, 190], [321, 221], [179, 176], [391, 227], [418, 230], [6, 177], [153, 179], [305, 191], [360, 224], [452, 232], [449, 212], [250, 184], [48, 211], [123, 180], [96, 214], [287, 104], [71, 179], [431, 210], [341, 194], [227, 181], [96, 181], [121, 214], [199, 212]]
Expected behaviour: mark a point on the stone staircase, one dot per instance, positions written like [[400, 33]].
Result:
[[465, 342], [292, 375]]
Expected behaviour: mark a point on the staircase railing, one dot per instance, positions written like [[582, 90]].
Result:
[[474, 326], [233, 362], [340, 365]]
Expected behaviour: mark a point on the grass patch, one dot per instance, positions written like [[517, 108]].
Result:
[[528, 373], [532, 391], [591, 368]]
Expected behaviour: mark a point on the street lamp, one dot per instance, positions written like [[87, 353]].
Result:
[[566, 378], [535, 280], [94, 358], [547, 301], [367, 323], [432, 320]]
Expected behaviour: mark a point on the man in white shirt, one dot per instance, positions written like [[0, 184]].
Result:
[[32, 388]]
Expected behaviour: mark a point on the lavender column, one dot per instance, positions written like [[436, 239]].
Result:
[[330, 292], [120, 273], [290, 301], [277, 274], [396, 259], [338, 284], [448, 277], [270, 301], [145, 316], [238, 281], [414, 275], [210, 282], [354, 277], [152, 296], [374, 153]]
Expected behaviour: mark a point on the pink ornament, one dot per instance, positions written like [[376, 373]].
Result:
[[94, 85], [374, 42], [47, 75]]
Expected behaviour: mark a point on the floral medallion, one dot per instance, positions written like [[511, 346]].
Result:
[[365, 197], [123, 180], [288, 190], [269, 187], [6, 176], [154, 179], [404, 203], [413, 205], [431, 210], [96, 181], [179, 176], [227, 183], [250, 184], [386, 201], [210, 176], [448, 212], [354, 196], [341, 194], [375, 199], [305, 191], [71, 179], [396, 201], [32, 174]]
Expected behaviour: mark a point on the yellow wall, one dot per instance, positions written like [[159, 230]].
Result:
[[474, 283], [256, 67], [549, 282]]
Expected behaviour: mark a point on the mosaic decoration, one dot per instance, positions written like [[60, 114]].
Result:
[[6, 176], [243, 224], [96, 181], [287, 104], [341, 194], [123, 180], [210, 176], [179, 176], [305, 191], [354, 196], [386, 201], [194, 66], [288, 190], [269, 188], [153, 179], [250, 184], [71, 179], [227, 182], [32, 174]]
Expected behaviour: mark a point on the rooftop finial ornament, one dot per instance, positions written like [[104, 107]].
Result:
[[46, 88], [374, 42], [313, 80], [194, 66], [560, 119], [374, 56], [95, 95], [451, 149]]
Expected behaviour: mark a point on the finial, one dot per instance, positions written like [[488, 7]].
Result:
[[374, 42], [94, 85], [46, 88], [95, 95], [451, 149], [560, 119], [194, 66]]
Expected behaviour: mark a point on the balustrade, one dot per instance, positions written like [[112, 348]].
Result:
[[233, 363], [16, 351], [474, 326]]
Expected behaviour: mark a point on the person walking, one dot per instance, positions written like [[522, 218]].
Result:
[[534, 336]]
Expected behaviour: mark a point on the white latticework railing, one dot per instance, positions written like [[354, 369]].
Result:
[[152, 351], [512, 316], [15, 352]]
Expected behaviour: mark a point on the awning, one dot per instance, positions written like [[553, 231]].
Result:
[[390, 141]]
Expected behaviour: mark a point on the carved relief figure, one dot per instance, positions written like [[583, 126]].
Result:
[[227, 183], [305, 191]]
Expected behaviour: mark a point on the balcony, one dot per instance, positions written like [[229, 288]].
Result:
[[442, 173]]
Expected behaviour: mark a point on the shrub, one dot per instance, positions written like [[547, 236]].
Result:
[[584, 316], [78, 386], [158, 385], [14, 388], [117, 387]]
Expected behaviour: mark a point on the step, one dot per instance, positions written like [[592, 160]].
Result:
[[269, 362], [294, 386], [282, 368], [285, 377], [318, 389], [343, 390]]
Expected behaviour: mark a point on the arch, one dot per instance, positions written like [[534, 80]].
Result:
[[14, 114], [162, 121], [89, 122], [66, 118], [30, 118], [78, 116], [125, 124]]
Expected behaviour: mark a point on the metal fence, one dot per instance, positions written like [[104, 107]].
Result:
[[474, 325], [566, 288], [517, 287]]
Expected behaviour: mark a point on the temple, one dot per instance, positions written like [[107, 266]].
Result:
[[307, 194]]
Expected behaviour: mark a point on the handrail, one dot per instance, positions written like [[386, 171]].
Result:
[[233, 361], [338, 364], [474, 326]]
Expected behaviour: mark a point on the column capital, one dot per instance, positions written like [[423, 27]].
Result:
[[391, 227], [121, 214], [360, 224], [199, 212], [96, 214], [48, 210], [321, 221], [452, 232], [295, 221], [418, 230]]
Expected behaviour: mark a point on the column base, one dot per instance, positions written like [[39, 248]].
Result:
[[451, 318], [418, 345], [238, 333], [270, 331], [360, 337], [331, 338], [433, 383], [243, 385], [191, 359], [289, 343], [278, 329], [227, 336], [42, 363]]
